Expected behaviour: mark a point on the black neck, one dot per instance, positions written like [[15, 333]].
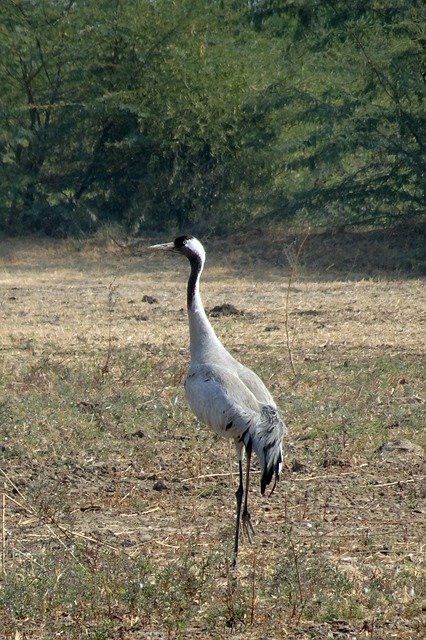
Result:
[[196, 266]]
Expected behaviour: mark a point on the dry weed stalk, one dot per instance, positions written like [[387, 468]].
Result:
[[253, 587], [3, 530], [298, 607], [112, 301], [293, 260]]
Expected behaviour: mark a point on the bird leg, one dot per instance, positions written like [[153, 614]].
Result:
[[239, 495], [246, 518], [245, 515]]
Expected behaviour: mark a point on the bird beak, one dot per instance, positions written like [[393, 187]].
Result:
[[167, 246]]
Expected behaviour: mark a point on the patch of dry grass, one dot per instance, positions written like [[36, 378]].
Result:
[[119, 507]]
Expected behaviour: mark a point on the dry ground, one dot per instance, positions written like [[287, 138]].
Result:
[[118, 507]]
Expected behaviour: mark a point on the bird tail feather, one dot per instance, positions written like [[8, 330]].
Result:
[[267, 439]]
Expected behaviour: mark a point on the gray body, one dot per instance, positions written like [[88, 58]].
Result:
[[232, 399]]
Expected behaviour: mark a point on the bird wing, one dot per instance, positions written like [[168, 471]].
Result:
[[220, 399], [254, 383]]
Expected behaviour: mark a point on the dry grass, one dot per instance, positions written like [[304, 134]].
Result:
[[118, 506]]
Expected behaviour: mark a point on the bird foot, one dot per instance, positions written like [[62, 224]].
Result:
[[247, 526]]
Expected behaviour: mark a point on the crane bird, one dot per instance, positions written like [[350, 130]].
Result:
[[226, 395]]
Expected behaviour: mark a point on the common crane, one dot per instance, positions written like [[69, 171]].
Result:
[[226, 395]]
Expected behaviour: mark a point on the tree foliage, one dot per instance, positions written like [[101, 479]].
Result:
[[349, 108], [159, 114]]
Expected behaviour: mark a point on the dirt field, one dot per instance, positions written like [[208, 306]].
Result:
[[118, 507]]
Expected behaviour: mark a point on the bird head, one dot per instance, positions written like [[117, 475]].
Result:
[[187, 245]]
